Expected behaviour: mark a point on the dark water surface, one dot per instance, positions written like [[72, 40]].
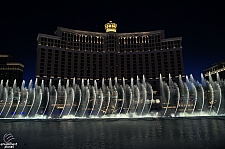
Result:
[[198, 132]]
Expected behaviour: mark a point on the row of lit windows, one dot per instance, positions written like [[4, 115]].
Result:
[[112, 46], [61, 43], [82, 38], [10, 74], [217, 67], [133, 38], [97, 40], [100, 39], [138, 40], [166, 45]]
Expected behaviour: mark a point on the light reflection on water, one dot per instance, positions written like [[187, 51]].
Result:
[[117, 133]]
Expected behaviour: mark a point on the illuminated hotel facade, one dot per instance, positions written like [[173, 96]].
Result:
[[217, 68], [10, 70], [94, 55]]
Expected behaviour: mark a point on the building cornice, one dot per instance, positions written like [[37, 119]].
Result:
[[171, 39], [14, 63], [79, 31], [118, 34], [4, 55], [47, 36], [141, 33]]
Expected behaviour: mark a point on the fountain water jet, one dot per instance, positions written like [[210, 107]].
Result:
[[184, 98]]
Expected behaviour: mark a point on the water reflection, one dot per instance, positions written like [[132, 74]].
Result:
[[123, 133]]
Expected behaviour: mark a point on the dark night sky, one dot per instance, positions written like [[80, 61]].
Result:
[[201, 26]]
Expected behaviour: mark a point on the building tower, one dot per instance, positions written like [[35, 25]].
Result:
[[95, 55], [10, 70]]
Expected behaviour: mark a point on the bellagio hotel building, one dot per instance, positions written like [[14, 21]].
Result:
[[94, 55]]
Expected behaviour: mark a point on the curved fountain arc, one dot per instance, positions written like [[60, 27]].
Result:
[[5, 98], [11, 102], [33, 100], [195, 98], [101, 101], [87, 99], [47, 104], [144, 96], [122, 100], [72, 104], [187, 97], [18, 102], [220, 98], [94, 99], [40, 100], [65, 100], [25, 103], [178, 98], [136, 90], [53, 103]]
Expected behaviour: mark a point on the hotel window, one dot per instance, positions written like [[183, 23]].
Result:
[[43, 40]]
